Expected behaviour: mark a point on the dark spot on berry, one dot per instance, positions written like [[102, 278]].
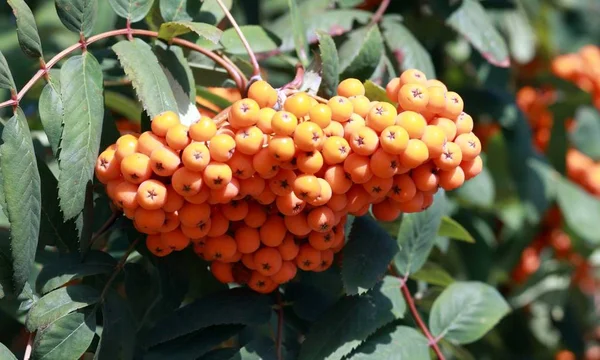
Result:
[[266, 266], [103, 163], [417, 93], [307, 263], [160, 166], [151, 194]]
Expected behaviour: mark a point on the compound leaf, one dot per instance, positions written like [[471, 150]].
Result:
[[27, 31], [77, 15], [66, 338]]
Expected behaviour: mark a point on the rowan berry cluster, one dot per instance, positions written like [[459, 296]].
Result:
[[582, 68], [268, 190]]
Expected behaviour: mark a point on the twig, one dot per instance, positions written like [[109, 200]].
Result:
[[279, 326], [118, 268], [233, 72], [233, 65], [29, 347], [253, 61], [107, 224], [297, 81], [380, 11]]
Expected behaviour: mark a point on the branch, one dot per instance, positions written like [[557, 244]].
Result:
[[118, 268], [296, 83], [233, 73], [107, 225], [29, 347], [380, 11], [253, 61], [279, 326]]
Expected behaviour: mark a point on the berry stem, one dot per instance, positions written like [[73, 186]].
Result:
[[279, 326], [253, 61], [233, 72], [104, 228], [380, 11], [297, 81], [29, 348]]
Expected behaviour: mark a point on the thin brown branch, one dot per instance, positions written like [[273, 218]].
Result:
[[279, 340], [296, 83], [29, 348], [253, 61], [380, 11], [118, 268], [107, 225]]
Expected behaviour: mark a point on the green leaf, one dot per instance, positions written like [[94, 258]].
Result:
[[6, 79], [587, 131], [118, 329], [54, 231], [330, 63], [478, 191], [151, 84], [77, 15], [522, 39], [51, 110], [402, 343], [172, 29], [21, 185], [83, 113], [300, 41], [260, 40], [235, 306], [465, 311], [59, 303], [123, 105], [70, 267], [179, 10], [376, 93], [471, 21], [177, 69], [434, 274], [360, 54], [6, 354], [452, 229], [417, 235], [195, 345], [351, 320], [406, 48], [349, 3], [27, 30], [367, 255], [211, 12], [134, 10], [66, 338], [580, 210]]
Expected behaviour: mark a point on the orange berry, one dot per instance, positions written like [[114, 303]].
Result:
[[437, 99], [164, 161], [436, 82], [451, 157], [235, 210], [288, 248], [403, 189], [464, 123], [107, 166], [350, 87], [286, 273], [335, 150], [195, 233], [221, 147], [268, 261], [243, 113], [263, 93], [361, 105], [195, 156], [126, 145], [447, 125], [281, 184], [427, 199], [435, 139], [200, 197], [357, 167], [247, 239], [265, 115], [383, 164], [378, 187], [357, 198], [338, 179], [321, 240], [385, 210], [265, 164], [136, 168], [320, 114], [324, 195], [354, 123], [412, 76], [413, 205], [163, 122], [341, 108], [148, 142], [126, 195], [248, 261], [469, 144], [155, 245], [252, 186], [249, 140], [217, 175], [308, 258], [266, 197], [326, 260], [111, 186], [261, 283], [308, 136], [334, 129], [176, 239], [284, 123], [186, 182], [297, 224], [426, 177], [452, 179], [203, 129], [150, 220], [306, 187], [226, 193], [394, 139], [413, 122], [282, 148], [273, 231], [151, 194], [194, 214], [415, 154], [219, 224], [454, 105], [413, 97], [222, 271], [472, 168], [178, 137], [321, 219], [364, 141], [380, 116], [309, 162], [220, 247], [241, 165], [298, 104]]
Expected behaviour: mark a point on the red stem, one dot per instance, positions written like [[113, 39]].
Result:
[[297, 81], [29, 347], [415, 313], [380, 11], [42, 72]]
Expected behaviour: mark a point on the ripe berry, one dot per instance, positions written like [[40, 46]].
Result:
[[413, 97], [412, 76], [306, 187], [464, 123], [308, 136], [383, 164], [321, 219], [267, 261], [297, 224], [357, 167], [386, 210], [284, 123], [261, 283], [263, 93], [437, 99], [235, 210], [273, 231], [320, 114], [298, 104], [222, 147], [426, 177], [203, 130], [361, 105], [380, 116], [415, 154], [335, 150], [282, 148], [163, 122], [265, 116], [151, 194], [282, 183], [435, 82], [176, 240], [249, 140], [451, 157], [309, 162], [126, 145], [350, 87], [171, 222], [469, 144], [222, 271], [413, 122], [147, 142], [338, 179], [394, 139], [435, 139], [334, 129], [107, 166], [219, 224], [286, 273], [308, 258], [364, 141], [149, 220], [195, 156], [243, 113], [326, 260], [217, 175], [352, 125], [454, 105], [136, 168], [186, 182], [265, 164], [178, 137], [126, 195], [472, 168], [220, 247], [452, 179], [392, 88], [447, 125], [155, 245], [341, 108], [378, 187], [164, 161]]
